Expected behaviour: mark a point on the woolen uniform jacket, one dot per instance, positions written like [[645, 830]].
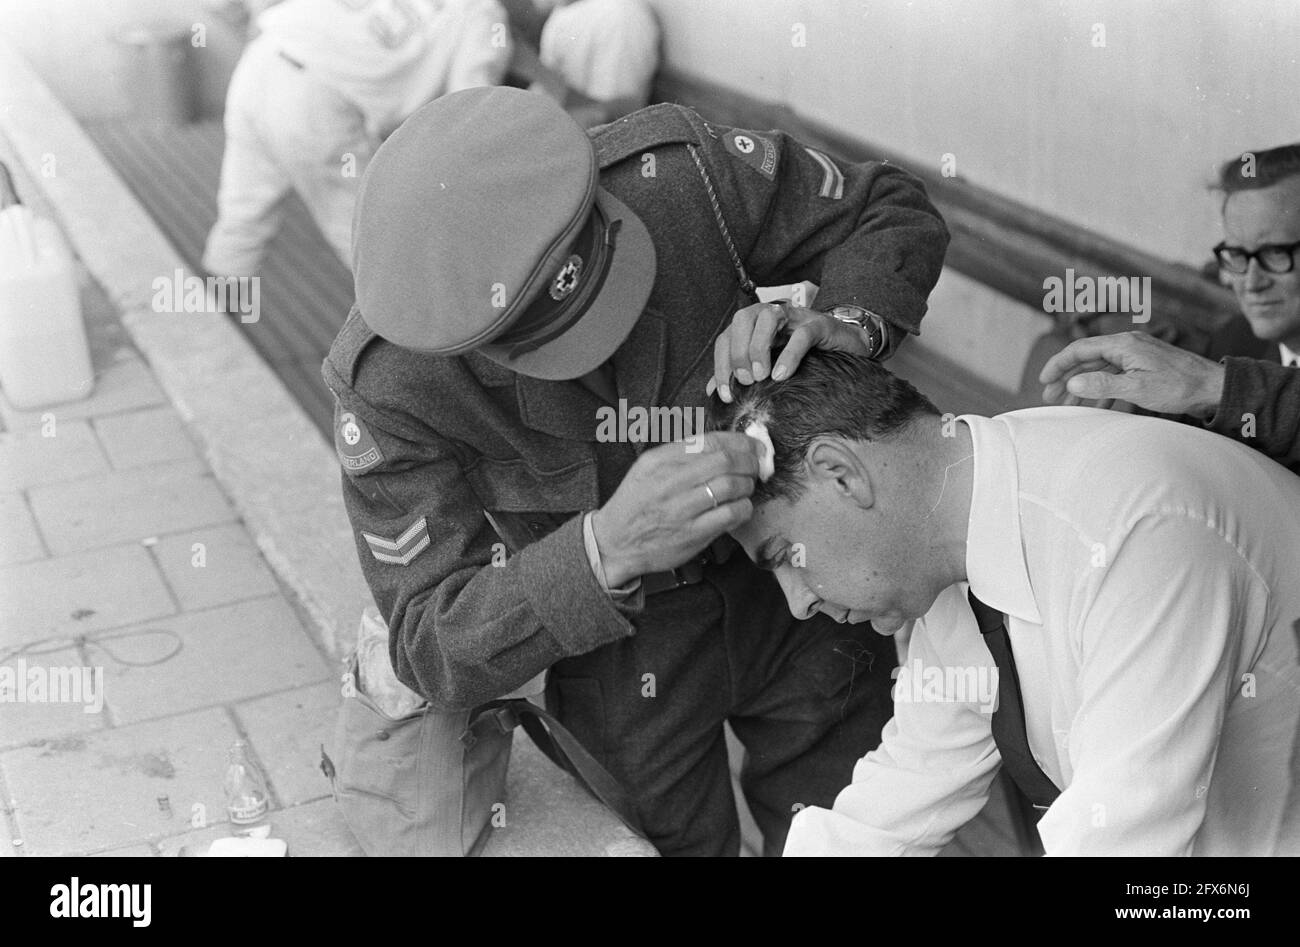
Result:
[[1260, 405], [429, 444], [1268, 392]]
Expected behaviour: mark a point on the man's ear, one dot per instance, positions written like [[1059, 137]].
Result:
[[833, 461]]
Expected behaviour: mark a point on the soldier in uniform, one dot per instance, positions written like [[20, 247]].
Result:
[[514, 277]]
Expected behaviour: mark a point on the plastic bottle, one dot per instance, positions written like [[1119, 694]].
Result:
[[247, 798], [44, 356]]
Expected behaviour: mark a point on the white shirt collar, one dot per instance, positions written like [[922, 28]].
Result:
[[1289, 358], [995, 558]]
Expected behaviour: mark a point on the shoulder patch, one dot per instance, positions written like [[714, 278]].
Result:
[[755, 150], [402, 549], [354, 443]]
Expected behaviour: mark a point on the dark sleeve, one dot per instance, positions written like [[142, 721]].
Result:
[[1269, 394], [865, 233], [467, 622]]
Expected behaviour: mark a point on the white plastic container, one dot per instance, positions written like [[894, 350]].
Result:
[[44, 356]]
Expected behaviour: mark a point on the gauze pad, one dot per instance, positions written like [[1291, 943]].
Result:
[[766, 453]]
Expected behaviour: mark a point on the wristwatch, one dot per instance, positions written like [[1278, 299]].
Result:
[[874, 328]]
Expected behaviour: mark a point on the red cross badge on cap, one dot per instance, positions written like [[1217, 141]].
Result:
[[566, 281]]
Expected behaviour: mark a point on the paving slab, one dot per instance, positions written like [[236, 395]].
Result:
[[214, 565], [314, 830], [101, 791], [120, 386], [63, 451], [139, 438], [20, 540], [547, 813], [288, 731], [24, 720], [227, 654], [128, 504], [80, 594], [130, 851]]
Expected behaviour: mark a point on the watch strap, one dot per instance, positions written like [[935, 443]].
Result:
[[872, 324]]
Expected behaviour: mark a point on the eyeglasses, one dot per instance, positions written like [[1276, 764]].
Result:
[[1273, 257]]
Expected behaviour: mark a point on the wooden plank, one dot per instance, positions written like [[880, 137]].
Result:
[[948, 385], [304, 284], [303, 379], [306, 292]]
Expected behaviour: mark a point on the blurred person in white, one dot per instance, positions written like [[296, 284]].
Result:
[[1130, 580], [597, 58], [316, 91]]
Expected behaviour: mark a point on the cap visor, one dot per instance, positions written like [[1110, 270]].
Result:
[[608, 321]]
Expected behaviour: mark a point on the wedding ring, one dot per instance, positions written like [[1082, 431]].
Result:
[[709, 490]]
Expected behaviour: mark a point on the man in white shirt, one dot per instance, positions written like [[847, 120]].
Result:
[[1142, 573], [317, 90]]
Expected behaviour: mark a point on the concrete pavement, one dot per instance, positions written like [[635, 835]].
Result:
[[119, 545]]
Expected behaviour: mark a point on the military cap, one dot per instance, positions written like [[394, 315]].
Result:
[[481, 226]]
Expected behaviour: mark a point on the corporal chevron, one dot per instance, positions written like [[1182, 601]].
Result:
[[402, 550]]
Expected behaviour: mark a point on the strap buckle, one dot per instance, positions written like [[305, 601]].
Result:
[[497, 721], [689, 573]]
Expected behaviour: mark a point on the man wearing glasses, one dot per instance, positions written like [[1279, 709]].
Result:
[[1254, 400]]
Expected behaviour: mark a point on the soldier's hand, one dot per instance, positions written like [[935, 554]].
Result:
[[1135, 367], [743, 349], [675, 500]]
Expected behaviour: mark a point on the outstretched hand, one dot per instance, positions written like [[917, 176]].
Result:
[[1134, 367]]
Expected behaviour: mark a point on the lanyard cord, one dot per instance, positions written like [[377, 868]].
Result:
[[746, 283]]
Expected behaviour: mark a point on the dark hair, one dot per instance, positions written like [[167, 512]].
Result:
[[1269, 166], [829, 393]]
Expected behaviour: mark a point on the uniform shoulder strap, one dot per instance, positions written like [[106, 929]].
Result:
[[667, 124], [340, 373], [663, 124], [737, 264], [346, 351]]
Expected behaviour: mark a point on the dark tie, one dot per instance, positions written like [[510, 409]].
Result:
[[1009, 731]]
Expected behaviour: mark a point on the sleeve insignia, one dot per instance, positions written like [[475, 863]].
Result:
[[354, 443], [400, 550], [832, 177]]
